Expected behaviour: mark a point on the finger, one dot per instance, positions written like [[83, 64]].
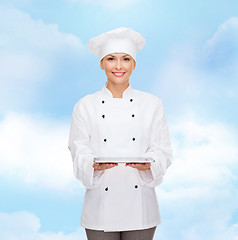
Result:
[[95, 165]]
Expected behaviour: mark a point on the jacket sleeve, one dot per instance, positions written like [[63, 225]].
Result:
[[159, 149], [81, 153]]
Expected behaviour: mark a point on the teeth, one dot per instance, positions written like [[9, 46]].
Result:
[[118, 74]]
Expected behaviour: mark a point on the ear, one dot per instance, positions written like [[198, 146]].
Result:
[[134, 64], [101, 64]]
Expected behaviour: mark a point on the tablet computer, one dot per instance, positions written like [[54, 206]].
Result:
[[123, 160]]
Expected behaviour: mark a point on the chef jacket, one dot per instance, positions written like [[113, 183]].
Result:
[[121, 198]]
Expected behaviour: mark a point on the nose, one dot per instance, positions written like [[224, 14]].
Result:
[[118, 64]]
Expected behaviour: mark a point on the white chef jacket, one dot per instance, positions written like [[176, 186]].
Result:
[[121, 198]]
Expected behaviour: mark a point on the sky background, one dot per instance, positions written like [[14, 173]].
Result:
[[190, 61]]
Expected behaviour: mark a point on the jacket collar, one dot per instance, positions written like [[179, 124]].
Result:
[[126, 94]]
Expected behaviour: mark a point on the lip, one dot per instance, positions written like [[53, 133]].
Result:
[[118, 74]]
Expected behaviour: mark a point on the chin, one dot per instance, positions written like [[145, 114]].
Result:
[[119, 82]]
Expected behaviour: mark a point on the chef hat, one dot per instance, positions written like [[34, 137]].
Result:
[[119, 40]]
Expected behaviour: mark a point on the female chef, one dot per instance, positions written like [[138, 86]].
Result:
[[120, 200]]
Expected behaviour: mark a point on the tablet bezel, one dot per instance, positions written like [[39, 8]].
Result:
[[123, 160]]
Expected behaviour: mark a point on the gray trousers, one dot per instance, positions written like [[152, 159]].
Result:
[[145, 234]]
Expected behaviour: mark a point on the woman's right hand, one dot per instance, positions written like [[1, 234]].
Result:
[[103, 166]]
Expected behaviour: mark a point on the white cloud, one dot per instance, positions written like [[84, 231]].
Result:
[[26, 226], [198, 197], [180, 78], [221, 51], [112, 5], [30, 50], [16, 2], [204, 150], [20, 32], [34, 150], [191, 80], [192, 76], [205, 159]]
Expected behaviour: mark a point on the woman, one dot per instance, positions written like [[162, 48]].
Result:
[[120, 200]]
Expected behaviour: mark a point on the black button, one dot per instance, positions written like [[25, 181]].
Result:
[[133, 139], [102, 101], [106, 189], [131, 99], [103, 116], [133, 115], [105, 140], [136, 186]]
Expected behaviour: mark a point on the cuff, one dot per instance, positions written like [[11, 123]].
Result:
[[146, 176]]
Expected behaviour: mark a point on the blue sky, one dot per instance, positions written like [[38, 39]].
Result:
[[190, 61]]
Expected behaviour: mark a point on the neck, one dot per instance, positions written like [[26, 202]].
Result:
[[117, 89]]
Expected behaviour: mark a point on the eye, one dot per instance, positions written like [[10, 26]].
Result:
[[110, 59], [126, 59]]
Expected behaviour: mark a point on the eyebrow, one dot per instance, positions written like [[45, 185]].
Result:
[[122, 56]]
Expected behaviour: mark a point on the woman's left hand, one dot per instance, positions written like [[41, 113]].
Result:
[[139, 166]]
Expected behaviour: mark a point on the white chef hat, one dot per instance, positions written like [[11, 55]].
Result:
[[119, 40]]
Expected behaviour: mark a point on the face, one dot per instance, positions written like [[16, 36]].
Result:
[[118, 67]]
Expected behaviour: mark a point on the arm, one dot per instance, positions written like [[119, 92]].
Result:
[[159, 149], [81, 153]]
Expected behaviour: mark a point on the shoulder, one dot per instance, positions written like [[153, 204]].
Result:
[[148, 98], [87, 100], [85, 105]]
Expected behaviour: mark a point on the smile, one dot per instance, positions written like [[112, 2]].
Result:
[[118, 74]]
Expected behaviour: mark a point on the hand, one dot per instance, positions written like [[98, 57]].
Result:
[[103, 166], [139, 166]]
